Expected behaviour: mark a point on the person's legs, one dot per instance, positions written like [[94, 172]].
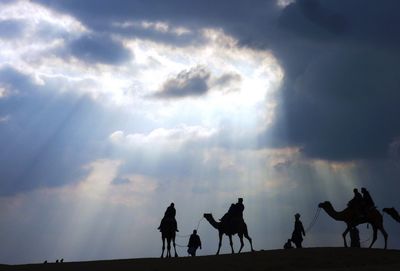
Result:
[[298, 244]]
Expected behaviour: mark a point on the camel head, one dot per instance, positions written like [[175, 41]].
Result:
[[325, 204], [212, 221], [389, 210]]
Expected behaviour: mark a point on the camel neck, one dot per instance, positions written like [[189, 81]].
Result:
[[339, 216], [212, 221]]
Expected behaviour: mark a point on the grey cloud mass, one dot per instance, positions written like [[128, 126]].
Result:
[[338, 100], [227, 80], [99, 49], [193, 82]]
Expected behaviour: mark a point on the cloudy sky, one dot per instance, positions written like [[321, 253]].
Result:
[[111, 110]]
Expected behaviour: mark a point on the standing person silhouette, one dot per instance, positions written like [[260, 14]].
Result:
[[169, 215], [354, 237], [194, 243], [298, 232]]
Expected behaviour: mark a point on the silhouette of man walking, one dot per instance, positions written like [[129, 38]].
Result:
[[298, 232], [194, 243], [169, 215]]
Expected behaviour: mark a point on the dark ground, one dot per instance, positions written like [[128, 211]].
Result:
[[295, 259]]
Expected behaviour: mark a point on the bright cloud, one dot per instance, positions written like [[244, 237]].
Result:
[[284, 3], [163, 138], [236, 82]]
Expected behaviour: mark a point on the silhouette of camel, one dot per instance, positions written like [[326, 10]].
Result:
[[168, 233], [352, 219], [393, 213], [230, 229]]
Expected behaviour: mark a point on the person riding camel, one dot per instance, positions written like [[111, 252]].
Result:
[[356, 202], [367, 201], [169, 215], [228, 215], [235, 212], [239, 208]]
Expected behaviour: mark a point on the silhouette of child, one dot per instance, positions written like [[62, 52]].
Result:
[[288, 244]]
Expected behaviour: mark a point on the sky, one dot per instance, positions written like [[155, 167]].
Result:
[[111, 110]]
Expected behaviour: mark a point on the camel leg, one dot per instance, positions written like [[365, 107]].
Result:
[[168, 248], [385, 235], [246, 234], [231, 243], [241, 242], [173, 243], [375, 235], [220, 242], [163, 247], [344, 236]]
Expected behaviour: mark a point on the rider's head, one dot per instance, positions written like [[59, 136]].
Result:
[[194, 231], [297, 216], [240, 200], [172, 204], [363, 190], [355, 190]]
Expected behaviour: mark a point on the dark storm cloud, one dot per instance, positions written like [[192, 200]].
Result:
[[107, 17], [99, 49], [42, 141], [193, 82], [344, 106], [10, 29], [338, 98], [310, 20], [96, 14]]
